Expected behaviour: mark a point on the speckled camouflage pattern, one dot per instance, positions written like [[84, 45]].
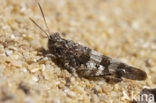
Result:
[[87, 62]]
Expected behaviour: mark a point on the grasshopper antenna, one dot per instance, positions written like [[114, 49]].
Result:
[[44, 18], [39, 27]]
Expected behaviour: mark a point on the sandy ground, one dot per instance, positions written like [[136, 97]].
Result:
[[121, 29]]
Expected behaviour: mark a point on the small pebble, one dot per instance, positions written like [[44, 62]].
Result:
[[34, 78], [24, 69], [106, 89], [34, 70], [9, 52], [148, 62], [70, 93], [28, 99], [12, 36], [125, 96], [95, 91]]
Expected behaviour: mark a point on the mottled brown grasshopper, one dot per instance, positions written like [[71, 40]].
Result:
[[86, 62]]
